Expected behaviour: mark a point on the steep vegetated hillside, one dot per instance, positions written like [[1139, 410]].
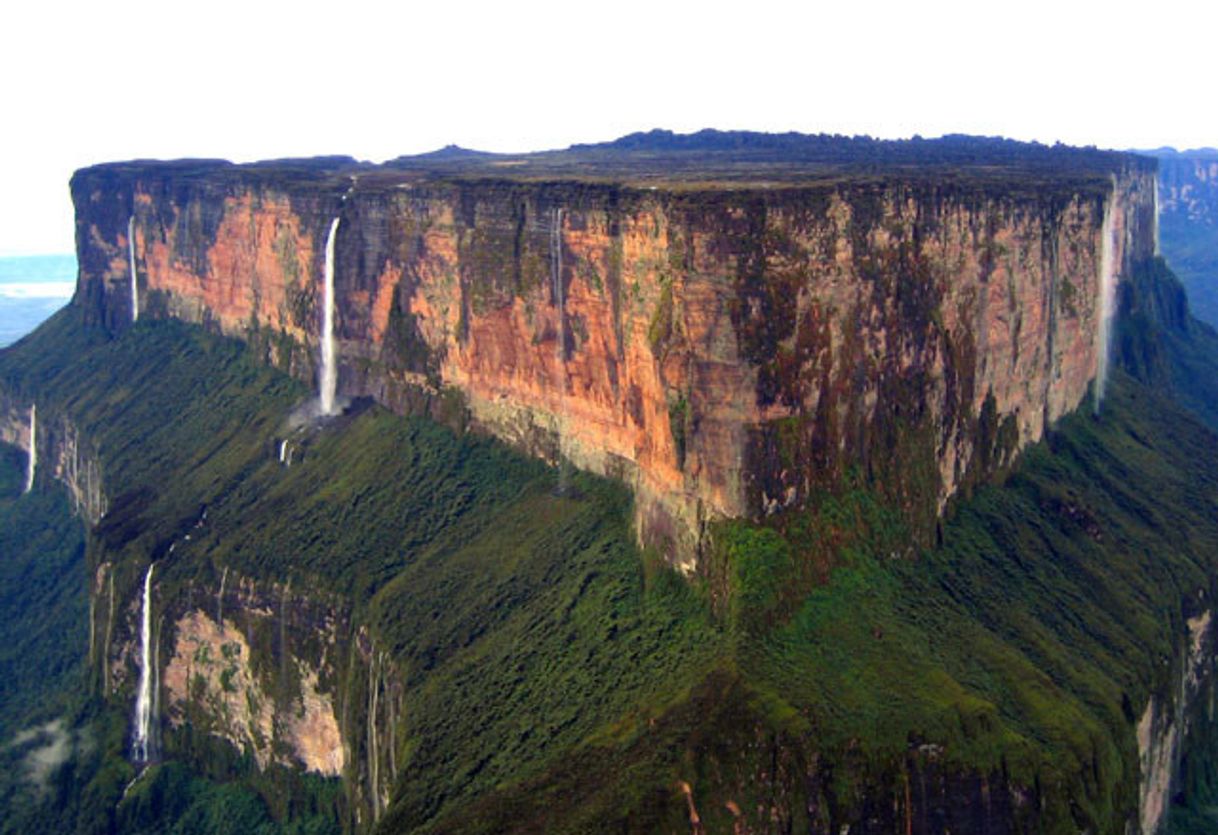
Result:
[[990, 685], [521, 621], [1161, 344], [546, 674], [43, 630]]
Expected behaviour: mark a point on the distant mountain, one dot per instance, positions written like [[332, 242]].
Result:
[[1188, 222], [450, 152], [748, 156]]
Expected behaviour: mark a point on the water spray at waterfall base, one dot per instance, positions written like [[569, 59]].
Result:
[[141, 747]]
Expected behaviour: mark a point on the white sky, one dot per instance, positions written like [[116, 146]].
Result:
[[252, 79]]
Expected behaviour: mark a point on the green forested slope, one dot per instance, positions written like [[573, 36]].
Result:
[[1018, 648], [44, 634], [1192, 249], [43, 626], [498, 599]]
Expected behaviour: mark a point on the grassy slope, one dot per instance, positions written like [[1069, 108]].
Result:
[[1025, 644], [1049, 604], [1173, 351], [1018, 646], [44, 633], [523, 621], [43, 621], [147, 439]]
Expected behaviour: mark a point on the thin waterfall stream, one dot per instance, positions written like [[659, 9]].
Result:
[[1156, 219], [32, 462], [135, 286], [142, 745], [1107, 299], [564, 474], [328, 384]]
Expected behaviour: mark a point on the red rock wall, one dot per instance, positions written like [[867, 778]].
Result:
[[726, 353]]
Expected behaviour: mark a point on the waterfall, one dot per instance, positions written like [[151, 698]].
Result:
[[105, 654], [32, 461], [329, 374], [142, 746], [556, 274], [1107, 299], [1156, 220], [135, 287], [220, 601], [283, 451]]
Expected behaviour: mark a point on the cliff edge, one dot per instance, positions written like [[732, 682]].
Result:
[[726, 322]]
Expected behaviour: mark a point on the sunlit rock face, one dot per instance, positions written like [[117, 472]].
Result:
[[63, 455], [211, 675], [728, 351], [253, 665]]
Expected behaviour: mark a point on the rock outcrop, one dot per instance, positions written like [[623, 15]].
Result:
[[211, 677], [62, 455], [259, 666], [727, 349], [1165, 726]]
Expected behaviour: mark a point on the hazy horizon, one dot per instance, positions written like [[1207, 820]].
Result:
[[32, 287]]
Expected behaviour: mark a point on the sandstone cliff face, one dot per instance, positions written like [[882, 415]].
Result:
[[278, 673], [255, 666], [211, 679], [726, 352], [1169, 721], [61, 454]]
